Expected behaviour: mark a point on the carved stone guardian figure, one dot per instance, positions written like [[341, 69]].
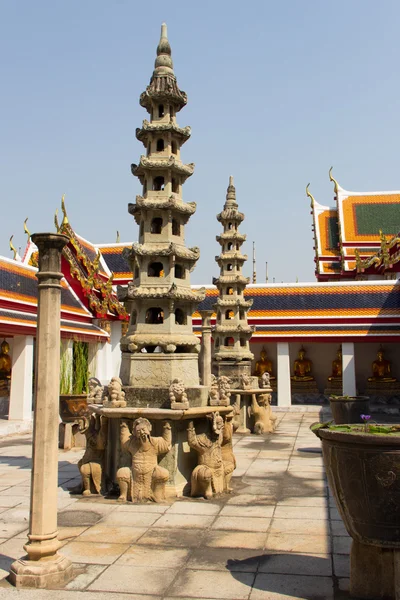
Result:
[[245, 381], [214, 391], [208, 477], [91, 464], [224, 390], [265, 381], [115, 395], [261, 410], [228, 457], [177, 395], [145, 479], [96, 390]]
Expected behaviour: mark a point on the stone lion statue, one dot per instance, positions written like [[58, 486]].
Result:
[[177, 395], [115, 395]]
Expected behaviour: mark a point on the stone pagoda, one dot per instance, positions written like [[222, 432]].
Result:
[[232, 356], [160, 345]]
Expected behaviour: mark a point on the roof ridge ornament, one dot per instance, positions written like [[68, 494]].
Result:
[[13, 248], [28, 233], [309, 194], [64, 210], [331, 178]]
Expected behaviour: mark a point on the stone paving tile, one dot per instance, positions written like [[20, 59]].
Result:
[[130, 519], [250, 500], [100, 532], [189, 538], [308, 501], [337, 527], [235, 539], [18, 514], [289, 587], [212, 584], [68, 533], [143, 556], [194, 508], [148, 580], [299, 526], [289, 542], [298, 512], [185, 521], [238, 510], [242, 523], [16, 490], [140, 508], [84, 575], [341, 565], [334, 514], [90, 552], [12, 593], [10, 529], [224, 559], [341, 544], [13, 548], [296, 564]]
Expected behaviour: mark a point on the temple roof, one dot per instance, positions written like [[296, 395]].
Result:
[[112, 254], [142, 134], [348, 309]]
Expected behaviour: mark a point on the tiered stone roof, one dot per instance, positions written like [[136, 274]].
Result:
[[231, 332]]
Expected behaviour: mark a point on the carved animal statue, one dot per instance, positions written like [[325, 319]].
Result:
[[91, 464], [115, 394], [208, 477], [145, 479], [265, 381], [95, 391], [245, 381], [214, 391], [224, 390], [264, 419], [228, 457], [177, 394]]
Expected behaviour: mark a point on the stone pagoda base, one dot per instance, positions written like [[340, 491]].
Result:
[[234, 370], [157, 370]]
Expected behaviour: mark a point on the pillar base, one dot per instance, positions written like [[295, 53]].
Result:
[[374, 572], [45, 573]]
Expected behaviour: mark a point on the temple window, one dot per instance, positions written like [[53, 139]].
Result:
[[217, 343], [156, 225], [237, 246], [145, 186], [171, 111], [180, 317], [179, 272], [229, 314], [242, 342], [175, 186], [229, 341], [160, 145], [229, 267], [154, 316], [219, 317], [155, 269], [141, 228], [241, 314], [173, 147], [229, 291], [230, 225], [176, 227], [229, 246], [239, 292], [136, 272], [158, 184], [133, 317], [160, 111]]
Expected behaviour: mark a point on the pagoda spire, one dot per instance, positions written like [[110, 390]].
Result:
[[163, 64], [232, 332]]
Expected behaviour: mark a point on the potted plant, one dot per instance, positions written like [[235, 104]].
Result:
[[347, 409], [74, 383], [362, 462]]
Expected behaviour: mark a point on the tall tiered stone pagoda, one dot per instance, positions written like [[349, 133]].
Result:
[[232, 356], [160, 345]]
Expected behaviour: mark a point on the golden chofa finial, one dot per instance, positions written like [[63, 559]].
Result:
[[56, 223], [331, 178], [309, 194], [65, 218], [118, 238], [13, 248], [28, 233]]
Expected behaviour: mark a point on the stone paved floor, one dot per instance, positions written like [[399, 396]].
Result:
[[279, 536]]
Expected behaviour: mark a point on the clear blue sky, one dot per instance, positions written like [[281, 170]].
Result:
[[278, 92]]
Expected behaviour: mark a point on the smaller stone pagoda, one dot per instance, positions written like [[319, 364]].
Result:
[[232, 356]]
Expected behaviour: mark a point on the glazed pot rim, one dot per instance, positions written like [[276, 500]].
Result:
[[348, 398], [361, 438]]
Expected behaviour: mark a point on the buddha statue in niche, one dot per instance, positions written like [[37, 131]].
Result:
[[302, 367], [336, 367], [381, 369], [5, 367], [263, 365]]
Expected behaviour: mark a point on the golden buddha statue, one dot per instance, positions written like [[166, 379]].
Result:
[[336, 367], [302, 367], [381, 369], [5, 366], [263, 365]]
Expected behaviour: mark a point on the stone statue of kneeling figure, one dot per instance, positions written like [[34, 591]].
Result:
[[145, 479], [208, 478], [91, 463], [264, 419]]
